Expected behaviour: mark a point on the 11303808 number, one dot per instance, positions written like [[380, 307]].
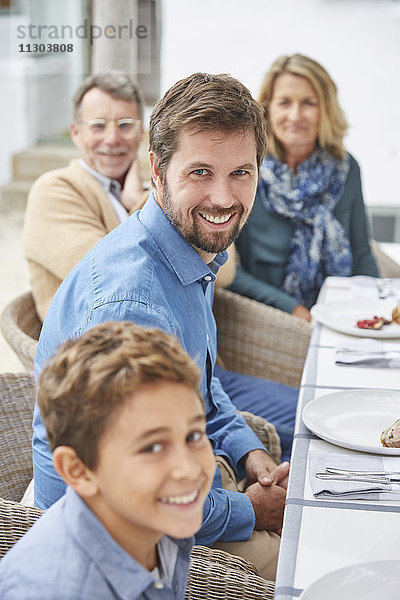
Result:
[[41, 48]]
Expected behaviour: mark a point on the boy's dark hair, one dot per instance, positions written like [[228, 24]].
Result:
[[89, 378]]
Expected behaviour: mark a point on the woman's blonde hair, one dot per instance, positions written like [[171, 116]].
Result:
[[333, 124]]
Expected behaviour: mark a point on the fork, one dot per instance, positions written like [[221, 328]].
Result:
[[351, 472], [386, 480]]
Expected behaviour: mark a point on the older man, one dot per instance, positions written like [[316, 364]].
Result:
[[71, 209], [207, 141]]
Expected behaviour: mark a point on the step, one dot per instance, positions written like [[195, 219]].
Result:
[[29, 164], [13, 195]]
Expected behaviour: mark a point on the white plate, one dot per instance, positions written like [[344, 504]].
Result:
[[354, 419], [366, 581], [343, 316]]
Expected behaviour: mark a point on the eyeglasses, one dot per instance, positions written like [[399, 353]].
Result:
[[126, 128]]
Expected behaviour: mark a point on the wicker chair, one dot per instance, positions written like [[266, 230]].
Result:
[[15, 520], [20, 326], [217, 575], [17, 398], [213, 574], [256, 339], [386, 265]]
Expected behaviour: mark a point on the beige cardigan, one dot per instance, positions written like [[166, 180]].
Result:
[[67, 213]]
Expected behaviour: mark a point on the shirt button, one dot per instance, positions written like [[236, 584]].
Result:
[[208, 278], [158, 585], [208, 338]]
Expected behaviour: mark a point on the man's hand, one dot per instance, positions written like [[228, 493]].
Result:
[[261, 468], [133, 193], [302, 312], [268, 504]]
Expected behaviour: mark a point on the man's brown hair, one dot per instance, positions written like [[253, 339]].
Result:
[[89, 378], [204, 102]]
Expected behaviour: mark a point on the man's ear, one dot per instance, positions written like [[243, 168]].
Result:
[[156, 179], [154, 167], [74, 472], [154, 162], [74, 132], [141, 134]]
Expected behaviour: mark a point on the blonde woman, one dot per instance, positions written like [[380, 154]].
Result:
[[308, 220]]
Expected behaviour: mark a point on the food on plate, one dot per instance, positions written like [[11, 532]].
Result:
[[390, 438], [374, 323], [396, 314]]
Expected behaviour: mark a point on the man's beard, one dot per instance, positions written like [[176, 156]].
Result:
[[206, 241]]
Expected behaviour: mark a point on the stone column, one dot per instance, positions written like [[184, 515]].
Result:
[[116, 47]]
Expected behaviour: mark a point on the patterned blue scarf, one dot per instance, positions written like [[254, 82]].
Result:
[[319, 246]]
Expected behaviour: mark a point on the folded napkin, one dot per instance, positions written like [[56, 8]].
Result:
[[349, 490], [368, 353], [365, 287]]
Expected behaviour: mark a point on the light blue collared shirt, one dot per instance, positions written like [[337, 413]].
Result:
[[144, 271], [68, 554], [107, 183]]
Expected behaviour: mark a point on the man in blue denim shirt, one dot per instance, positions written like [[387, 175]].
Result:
[[207, 141]]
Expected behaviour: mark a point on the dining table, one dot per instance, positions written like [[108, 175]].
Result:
[[324, 531]]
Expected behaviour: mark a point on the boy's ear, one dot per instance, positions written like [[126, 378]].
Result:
[[74, 472]]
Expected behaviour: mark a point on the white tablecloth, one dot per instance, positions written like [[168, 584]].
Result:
[[321, 535]]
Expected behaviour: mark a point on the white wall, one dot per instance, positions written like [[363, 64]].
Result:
[[35, 99], [358, 41]]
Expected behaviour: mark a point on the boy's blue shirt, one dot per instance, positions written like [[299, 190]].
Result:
[[144, 271], [69, 555]]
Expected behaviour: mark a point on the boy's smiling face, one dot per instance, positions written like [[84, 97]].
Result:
[[155, 468]]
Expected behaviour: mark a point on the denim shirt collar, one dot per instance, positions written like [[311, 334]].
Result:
[[183, 258], [108, 556]]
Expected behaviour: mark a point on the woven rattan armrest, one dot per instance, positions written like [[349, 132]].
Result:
[[215, 574], [256, 339], [15, 520], [20, 326], [266, 433], [386, 265], [17, 399]]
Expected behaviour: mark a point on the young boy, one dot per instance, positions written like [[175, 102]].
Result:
[[125, 422]]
